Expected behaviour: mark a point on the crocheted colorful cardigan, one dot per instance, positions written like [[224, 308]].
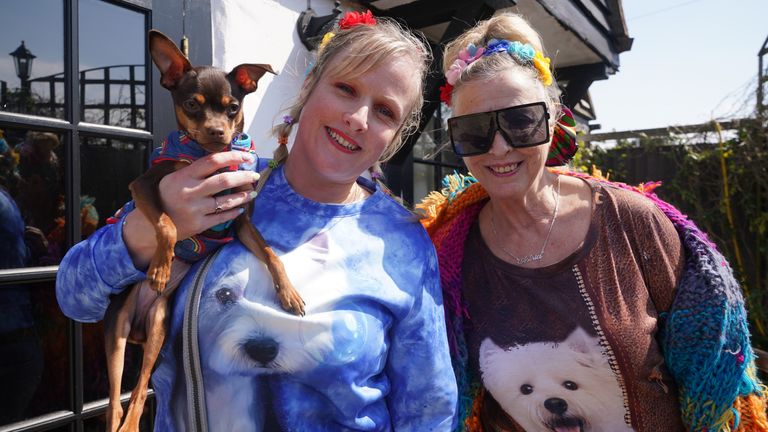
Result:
[[704, 336]]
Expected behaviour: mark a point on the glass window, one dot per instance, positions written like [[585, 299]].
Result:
[[112, 52], [423, 181], [31, 60], [33, 352], [31, 176], [108, 166], [43, 375], [96, 381], [433, 157]]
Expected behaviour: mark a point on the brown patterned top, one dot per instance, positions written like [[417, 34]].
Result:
[[571, 347]]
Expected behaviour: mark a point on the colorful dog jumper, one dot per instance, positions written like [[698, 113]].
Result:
[[180, 147]]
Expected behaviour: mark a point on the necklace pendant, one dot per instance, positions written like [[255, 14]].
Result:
[[528, 258]]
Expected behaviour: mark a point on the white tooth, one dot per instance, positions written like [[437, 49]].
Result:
[[506, 168], [344, 143]]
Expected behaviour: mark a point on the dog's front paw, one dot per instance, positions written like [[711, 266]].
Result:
[[290, 300], [159, 273]]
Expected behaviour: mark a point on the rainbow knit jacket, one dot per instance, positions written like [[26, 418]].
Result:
[[704, 336]]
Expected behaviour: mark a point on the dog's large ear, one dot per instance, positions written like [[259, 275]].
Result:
[[581, 342], [168, 59], [246, 76]]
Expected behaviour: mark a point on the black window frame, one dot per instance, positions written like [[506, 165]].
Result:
[[71, 128]]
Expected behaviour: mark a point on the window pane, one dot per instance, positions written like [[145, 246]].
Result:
[[425, 146], [94, 360], [112, 70], [108, 166], [35, 87], [33, 212], [34, 361], [449, 157], [99, 423], [423, 181]]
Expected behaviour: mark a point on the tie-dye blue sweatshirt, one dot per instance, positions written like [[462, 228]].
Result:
[[371, 353]]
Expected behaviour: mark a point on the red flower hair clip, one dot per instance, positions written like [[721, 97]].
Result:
[[352, 19], [445, 93]]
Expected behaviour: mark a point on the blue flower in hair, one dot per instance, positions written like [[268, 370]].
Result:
[[522, 51], [496, 46]]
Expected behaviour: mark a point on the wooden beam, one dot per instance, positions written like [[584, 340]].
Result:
[[423, 13], [467, 16], [594, 71], [571, 17], [667, 131], [579, 79]]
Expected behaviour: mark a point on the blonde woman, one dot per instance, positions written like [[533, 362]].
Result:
[[371, 352]]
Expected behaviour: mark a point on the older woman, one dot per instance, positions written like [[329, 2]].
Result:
[[573, 304]]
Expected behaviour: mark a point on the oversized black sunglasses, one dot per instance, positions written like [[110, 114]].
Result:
[[521, 126]]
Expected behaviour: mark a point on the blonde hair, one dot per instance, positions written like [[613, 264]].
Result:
[[364, 47], [509, 26]]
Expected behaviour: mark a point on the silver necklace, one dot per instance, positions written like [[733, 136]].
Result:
[[537, 257]]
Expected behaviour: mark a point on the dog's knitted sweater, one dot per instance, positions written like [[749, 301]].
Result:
[[704, 336], [180, 147]]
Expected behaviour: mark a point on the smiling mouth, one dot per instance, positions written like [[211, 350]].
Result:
[[505, 169], [341, 141], [567, 425]]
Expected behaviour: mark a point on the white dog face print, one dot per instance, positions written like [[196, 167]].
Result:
[[244, 333], [563, 386]]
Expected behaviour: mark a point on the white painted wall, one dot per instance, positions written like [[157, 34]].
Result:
[[264, 31]]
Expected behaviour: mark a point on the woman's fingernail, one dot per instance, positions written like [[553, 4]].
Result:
[[253, 194], [240, 210], [256, 177]]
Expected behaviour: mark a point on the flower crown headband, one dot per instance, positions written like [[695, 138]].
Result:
[[525, 54], [349, 20], [564, 143]]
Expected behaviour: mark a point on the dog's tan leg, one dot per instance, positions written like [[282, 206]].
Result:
[[117, 326], [155, 326], [145, 193], [289, 298], [155, 338]]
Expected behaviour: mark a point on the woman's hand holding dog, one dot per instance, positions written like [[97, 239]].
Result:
[[188, 198]]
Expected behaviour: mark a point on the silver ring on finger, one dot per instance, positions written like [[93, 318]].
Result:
[[218, 208]]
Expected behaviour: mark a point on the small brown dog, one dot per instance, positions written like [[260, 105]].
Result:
[[207, 101]]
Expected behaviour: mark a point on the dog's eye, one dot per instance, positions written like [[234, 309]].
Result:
[[226, 296], [232, 109], [570, 385], [191, 105], [526, 389]]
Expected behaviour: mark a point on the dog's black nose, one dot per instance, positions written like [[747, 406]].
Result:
[[215, 132], [263, 350], [556, 406]]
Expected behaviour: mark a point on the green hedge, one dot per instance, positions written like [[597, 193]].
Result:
[[731, 208]]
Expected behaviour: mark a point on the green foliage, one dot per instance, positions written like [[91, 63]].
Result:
[[732, 209]]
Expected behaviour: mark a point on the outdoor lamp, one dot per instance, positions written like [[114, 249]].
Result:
[[22, 60]]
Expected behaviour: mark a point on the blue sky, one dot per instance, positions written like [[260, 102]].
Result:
[[109, 35], [691, 61]]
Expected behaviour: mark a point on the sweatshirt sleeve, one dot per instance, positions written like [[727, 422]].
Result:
[[424, 394], [92, 270]]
